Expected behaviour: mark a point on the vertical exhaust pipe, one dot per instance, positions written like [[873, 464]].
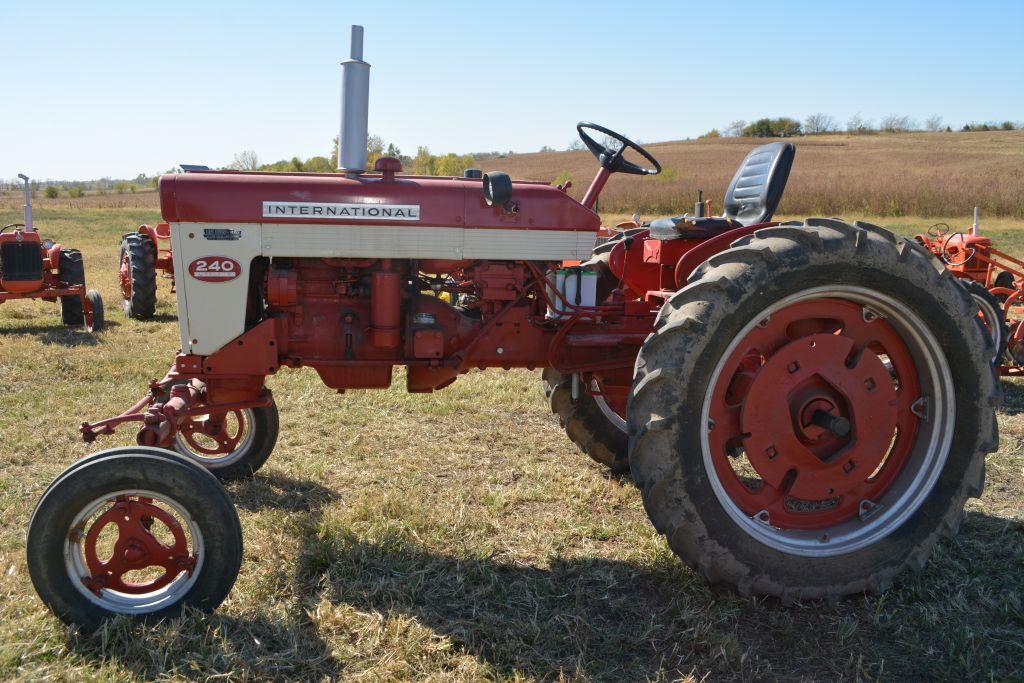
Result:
[[355, 102], [28, 203]]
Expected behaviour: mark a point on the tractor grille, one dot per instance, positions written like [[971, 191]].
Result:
[[21, 261]]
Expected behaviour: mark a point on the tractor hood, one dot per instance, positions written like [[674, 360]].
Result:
[[332, 199]]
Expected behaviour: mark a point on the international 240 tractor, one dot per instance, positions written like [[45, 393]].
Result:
[[804, 407]]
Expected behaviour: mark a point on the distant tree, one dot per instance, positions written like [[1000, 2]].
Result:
[[894, 123], [423, 163], [76, 192], [1007, 125], [713, 133], [575, 146], [546, 148], [735, 129], [121, 187], [245, 161], [51, 192], [819, 123], [857, 125], [933, 124], [780, 127]]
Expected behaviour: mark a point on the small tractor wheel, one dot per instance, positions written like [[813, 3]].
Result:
[[137, 275], [71, 271], [589, 422], [232, 445], [812, 411], [992, 318], [133, 532], [96, 303], [1004, 279]]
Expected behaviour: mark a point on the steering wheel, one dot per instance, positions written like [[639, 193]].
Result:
[[12, 225], [612, 159], [947, 258]]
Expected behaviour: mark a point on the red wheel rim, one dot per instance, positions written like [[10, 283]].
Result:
[[218, 439], [125, 276], [777, 409], [136, 548]]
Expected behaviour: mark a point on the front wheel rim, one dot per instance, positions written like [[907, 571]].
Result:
[[214, 446], [136, 549], [760, 418]]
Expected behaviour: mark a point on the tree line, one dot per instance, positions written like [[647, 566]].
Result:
[[821, 124], [423, 163]]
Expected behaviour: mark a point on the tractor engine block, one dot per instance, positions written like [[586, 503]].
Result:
[[354, 319]]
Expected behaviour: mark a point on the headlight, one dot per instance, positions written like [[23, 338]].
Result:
[[47, 243]]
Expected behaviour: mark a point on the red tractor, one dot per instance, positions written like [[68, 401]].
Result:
[[804, 407], [143, 254], [995, 280], [34, 268]]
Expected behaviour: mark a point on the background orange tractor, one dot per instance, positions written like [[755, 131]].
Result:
[[36, 268], [995, 280]]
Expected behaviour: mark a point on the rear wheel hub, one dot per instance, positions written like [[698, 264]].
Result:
[[812, 419]]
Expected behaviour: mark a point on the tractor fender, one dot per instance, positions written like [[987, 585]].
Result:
[[53, 257], [689, 261]]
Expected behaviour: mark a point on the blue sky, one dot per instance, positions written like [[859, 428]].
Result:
[[100, 88]]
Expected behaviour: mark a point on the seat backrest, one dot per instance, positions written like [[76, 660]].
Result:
[[757, 187]]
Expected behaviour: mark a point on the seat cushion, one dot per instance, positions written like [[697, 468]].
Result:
[[686, 227]]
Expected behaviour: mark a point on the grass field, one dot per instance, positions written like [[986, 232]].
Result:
[[917, 174], [456, 536]]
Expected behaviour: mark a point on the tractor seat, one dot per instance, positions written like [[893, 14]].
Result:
[[752, 197]]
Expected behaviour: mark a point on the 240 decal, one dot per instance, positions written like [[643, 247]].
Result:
[[214, 269]]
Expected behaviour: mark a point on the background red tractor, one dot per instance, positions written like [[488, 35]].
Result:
[[36, 268], [144, 254], [995, 280], [805, 407]]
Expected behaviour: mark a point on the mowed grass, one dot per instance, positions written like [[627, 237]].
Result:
[[455, 536]]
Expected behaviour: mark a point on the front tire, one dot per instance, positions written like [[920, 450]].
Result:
[[96, 319], [812, 411], [232, 447], [133, 533]]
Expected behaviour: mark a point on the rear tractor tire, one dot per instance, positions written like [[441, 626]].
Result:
[[589, 421], [233, 446], [71, 271], [137, 274], [135, 532], [812, 411]]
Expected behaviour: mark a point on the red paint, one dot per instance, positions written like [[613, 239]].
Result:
[[136, 548], [771, 384], [215, 269], [235, 197]]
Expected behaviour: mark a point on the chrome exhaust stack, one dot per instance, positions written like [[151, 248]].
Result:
[[28, 204], [355, 101]]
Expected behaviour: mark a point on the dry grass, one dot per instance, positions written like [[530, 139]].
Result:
[[455, 536], [919, 174]]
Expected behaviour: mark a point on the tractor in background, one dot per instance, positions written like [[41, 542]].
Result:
[[143, 255], [994, 279], [805, 407], [35, 268]]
